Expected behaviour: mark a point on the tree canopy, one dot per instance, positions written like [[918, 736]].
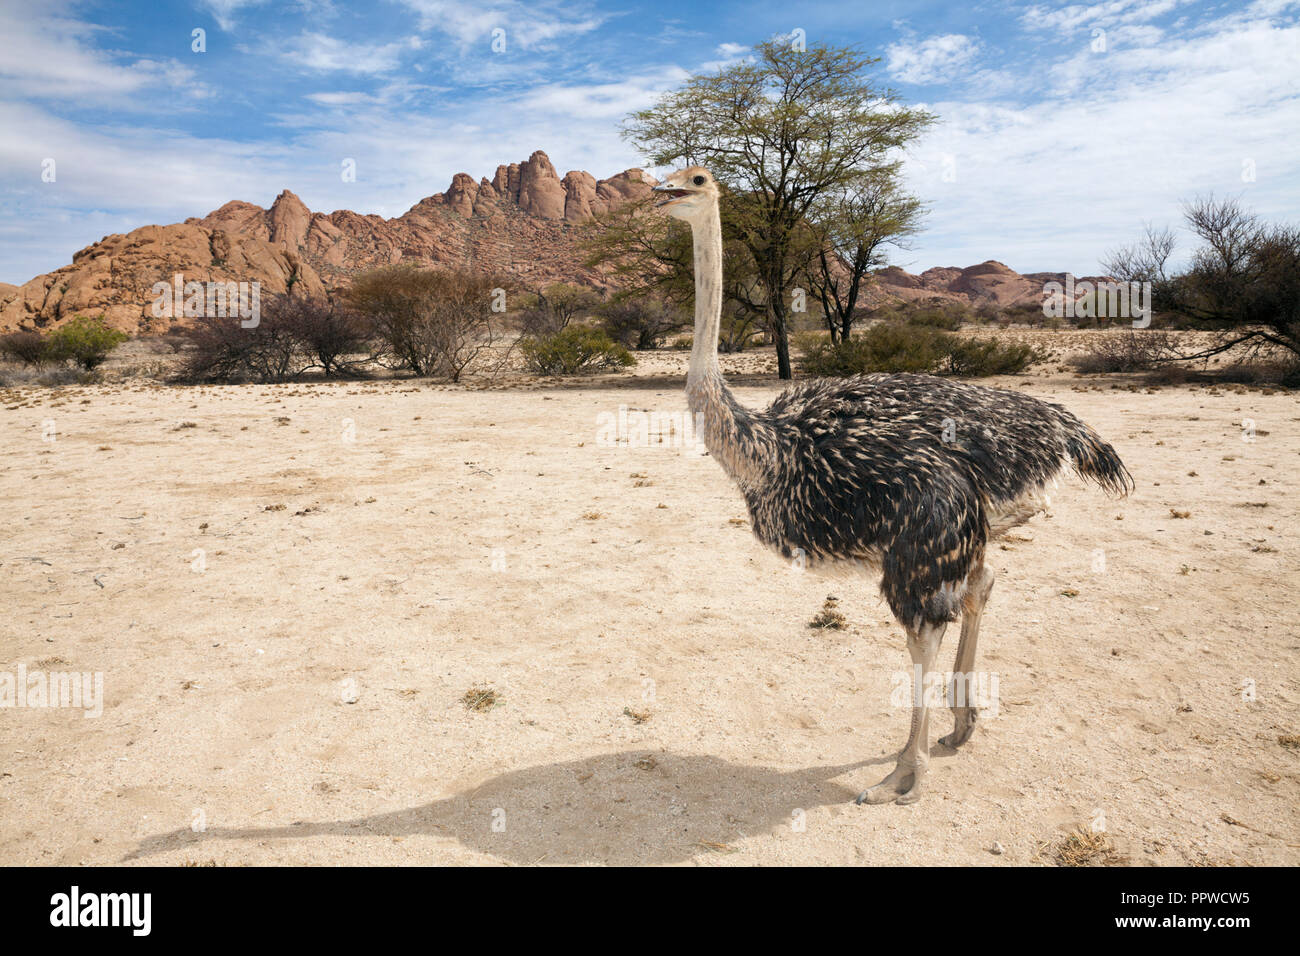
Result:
[[782, 130]]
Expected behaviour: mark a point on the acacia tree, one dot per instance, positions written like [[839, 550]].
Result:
[[781, 130], [851, 228], [1244, 281]]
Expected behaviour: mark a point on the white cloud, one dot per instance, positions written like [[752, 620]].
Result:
[[49, 57], [223, 11], [932, 60], [1120, 138], [1111, 12], [525, 24], [321, 53], [605, 101]]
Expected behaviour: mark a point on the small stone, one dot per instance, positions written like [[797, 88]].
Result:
[[997, 849]]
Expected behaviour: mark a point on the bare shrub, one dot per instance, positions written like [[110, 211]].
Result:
[[551, 309], [29, 348], [641, 323], [1129, 351], [220, 349], [429, 321], [1243, 281], [331, 335]]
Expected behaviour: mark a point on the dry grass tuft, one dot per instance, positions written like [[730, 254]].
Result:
[[828, 618], [1086, 848], [480, 699]]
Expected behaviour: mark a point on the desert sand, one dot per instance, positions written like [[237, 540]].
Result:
[[289, 590]]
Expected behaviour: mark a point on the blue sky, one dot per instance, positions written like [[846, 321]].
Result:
[[1062, 127]]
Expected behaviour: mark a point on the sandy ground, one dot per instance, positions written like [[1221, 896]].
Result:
[[289, 598]]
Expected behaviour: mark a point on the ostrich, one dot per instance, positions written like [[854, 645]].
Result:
[[909, 475]]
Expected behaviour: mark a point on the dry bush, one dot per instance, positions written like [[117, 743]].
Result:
[[1284, 372], [29, 348], [641, 323], [220, 349], [1084, 848], [974, 358], [1135, 350], [428, 321], [331, 336], [550, 310]]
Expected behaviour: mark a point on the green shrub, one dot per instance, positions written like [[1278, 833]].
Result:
[[932, 313], [886, 347], [947, 316], [974, 358], [85, 340], [572, 350], [890, 347]]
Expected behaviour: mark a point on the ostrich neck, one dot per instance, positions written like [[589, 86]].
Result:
[[707, 233], [726, 427]]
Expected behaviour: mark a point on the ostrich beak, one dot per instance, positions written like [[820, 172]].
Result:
[[673, 193]]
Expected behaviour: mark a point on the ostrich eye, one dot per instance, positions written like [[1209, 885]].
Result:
[[698, 180]]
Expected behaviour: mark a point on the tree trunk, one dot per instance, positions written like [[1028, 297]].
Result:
[[780, 334]]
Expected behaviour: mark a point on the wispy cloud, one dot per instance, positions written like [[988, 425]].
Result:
[[321, 53], [932, 60], [224, 11], [1121, 137], [51, 58], [1112, 12], [525, 25]]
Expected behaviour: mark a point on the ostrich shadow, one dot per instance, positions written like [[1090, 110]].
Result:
[[624, 808]]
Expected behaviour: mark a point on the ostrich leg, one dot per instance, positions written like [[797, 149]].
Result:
[[963, 707], [907, 775]]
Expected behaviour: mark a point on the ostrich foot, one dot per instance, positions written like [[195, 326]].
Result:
[[963, 727], [903, 785]]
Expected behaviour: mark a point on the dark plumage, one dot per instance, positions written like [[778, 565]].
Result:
[[910, 472]]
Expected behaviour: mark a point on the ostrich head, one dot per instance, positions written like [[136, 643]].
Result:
[[687, 193]]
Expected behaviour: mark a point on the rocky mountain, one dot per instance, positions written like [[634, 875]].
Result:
[[989, 283], [526, 221]]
